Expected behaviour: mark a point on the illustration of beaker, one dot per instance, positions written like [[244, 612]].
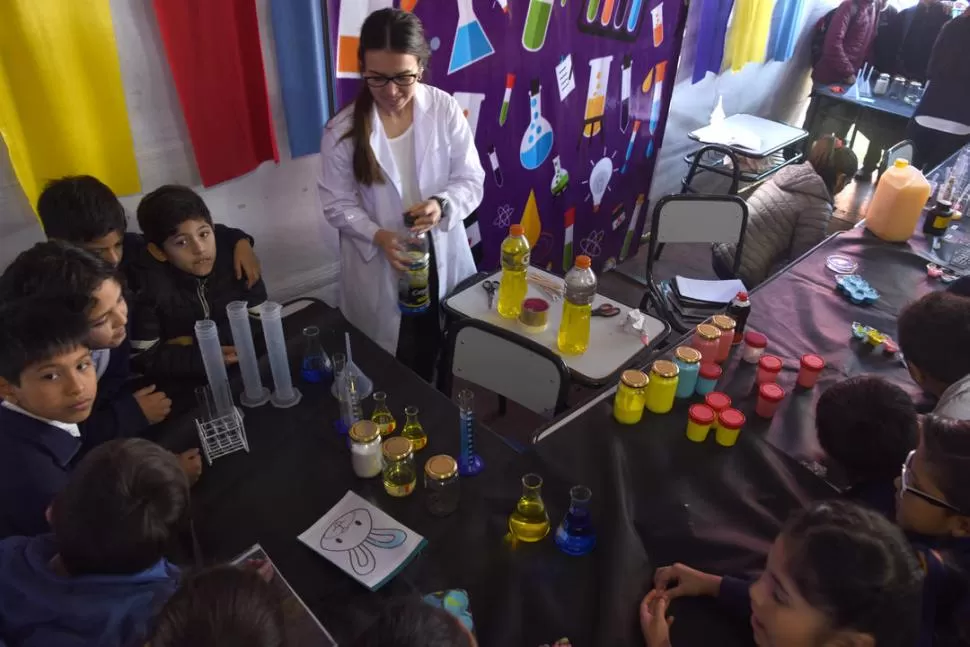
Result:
[[351, 19], [471, 43], [657, 17], [537, 141], [599, 77], [536, 24], [471, 107]]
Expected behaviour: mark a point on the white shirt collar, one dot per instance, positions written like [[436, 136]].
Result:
[[70, 428]]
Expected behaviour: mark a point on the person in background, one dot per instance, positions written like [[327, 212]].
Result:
[[884, 54], [941, 124], [919, 27], [82, 210], [101, 575], [838, 574], [403, 148], [868, 426], [223, 605], [934, 337], [847, 41], [412, 622], [789, 213]]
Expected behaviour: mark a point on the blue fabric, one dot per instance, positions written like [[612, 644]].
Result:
[[710, 37], [735, 595], [116, 413], [41, 608], [301, 61], [785, 23]]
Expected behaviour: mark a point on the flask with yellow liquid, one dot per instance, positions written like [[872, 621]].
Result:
[[515, 264], [576, 308], [530, 522]]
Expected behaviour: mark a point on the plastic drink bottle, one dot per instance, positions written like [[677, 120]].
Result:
[[515, 263], [576, 308]]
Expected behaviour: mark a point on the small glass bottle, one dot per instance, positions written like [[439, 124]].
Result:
[[700, 417], [576, 535], [441, 484], [769, 367], [630, 397], [706, 339], [754, 347], [469, 463], [530, 522], [726, 325], [707, 378], [688, 361], [413, 430], [365, 449], [810, 368], [400, 474], [729, 423], [316, 366], [382, 416], [770, 396], [662, 388]]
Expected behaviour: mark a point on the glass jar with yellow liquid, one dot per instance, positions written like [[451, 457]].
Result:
[[515, 264], [630, 397], [382, 416], [400, 474], [530, 522], [662, 387], [413, 430], [576, 308]]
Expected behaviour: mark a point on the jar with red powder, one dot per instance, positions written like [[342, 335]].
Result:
[[811, 368], [769, 367], [770, 396]]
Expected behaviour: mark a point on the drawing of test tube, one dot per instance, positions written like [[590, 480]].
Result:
[[567, 245], [618, 216], [634, 17], [503, 115], [536, 25], [620, 12], [351, 19], [626, 73], [496, 171], [658, 83], [629, 147], [657, 17], [631, 230], [592, 10], [471, 44], [599, 77], [607, 12]]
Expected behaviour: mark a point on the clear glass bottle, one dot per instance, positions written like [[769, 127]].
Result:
[[630, 397], [513, 285], [365, 449], [400, 474], [413, 430], [316, 366], [577, 306], [530, 522], [348, 395], [382, 416], [576, 535], [441, 484], [414, 296], [469, 463]]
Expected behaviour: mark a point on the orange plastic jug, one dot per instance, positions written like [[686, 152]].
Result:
[[899, 200]]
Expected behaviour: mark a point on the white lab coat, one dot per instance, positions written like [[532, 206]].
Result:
[[447, 166]]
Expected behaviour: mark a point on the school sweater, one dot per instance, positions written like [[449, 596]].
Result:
[[41, 608], [116, 413]]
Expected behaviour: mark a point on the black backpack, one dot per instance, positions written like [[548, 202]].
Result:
[[822, 28]]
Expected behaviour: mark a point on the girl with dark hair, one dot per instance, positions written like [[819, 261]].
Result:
[[837, 575], [402, 151]]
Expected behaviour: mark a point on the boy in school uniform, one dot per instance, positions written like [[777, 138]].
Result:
[[82, 210], [100, 577], [48, 384], [193, 279]]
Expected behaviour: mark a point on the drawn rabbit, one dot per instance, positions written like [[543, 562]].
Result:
[[351, 533]]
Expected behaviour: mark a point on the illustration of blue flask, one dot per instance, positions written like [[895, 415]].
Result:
[[538, 138]]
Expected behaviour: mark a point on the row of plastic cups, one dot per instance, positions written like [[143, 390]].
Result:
[[716, 412], [810, 367]]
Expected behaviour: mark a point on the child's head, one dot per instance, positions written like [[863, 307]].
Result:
[[120, 508], [224, 605], [934, 489], [178, 227], [59, 270], [82, 210], [834, 162], [411, 622], [838, 574], [867, 426], [45, 362], [934, 336]]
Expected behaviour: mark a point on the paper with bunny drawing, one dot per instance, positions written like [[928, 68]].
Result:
[[362, 541]]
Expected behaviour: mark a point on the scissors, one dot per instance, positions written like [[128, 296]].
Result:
[[605, 310], [490, 287]]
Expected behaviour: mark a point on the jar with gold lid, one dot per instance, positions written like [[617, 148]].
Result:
[[726, 324], [400, 474], [707, 339], [688, 361], [664, 376], [630, 397], [441, 485], [365, 449]]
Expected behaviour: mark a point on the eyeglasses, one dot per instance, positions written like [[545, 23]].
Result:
[[929, 498], [401, 80]]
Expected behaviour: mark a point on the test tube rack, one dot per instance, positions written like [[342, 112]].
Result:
[[222, 436]]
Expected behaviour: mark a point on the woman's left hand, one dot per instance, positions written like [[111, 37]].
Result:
[[427, 214]]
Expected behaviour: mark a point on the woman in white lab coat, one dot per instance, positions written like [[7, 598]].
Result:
[[403, 147]]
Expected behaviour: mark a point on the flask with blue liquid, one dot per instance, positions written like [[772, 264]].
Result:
[[575, 535]]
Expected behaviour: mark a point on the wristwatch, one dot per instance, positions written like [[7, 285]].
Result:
[[443, 204]]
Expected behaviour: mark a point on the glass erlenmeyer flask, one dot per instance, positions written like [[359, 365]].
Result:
[[471, 44], [382, 416], [529, 522], [538, 137], [316, 366], [413, 430], [575, 535]]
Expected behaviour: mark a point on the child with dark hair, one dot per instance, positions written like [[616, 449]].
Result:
[[195, 280], [868, 427], [838, 574], [48, 384], [82, 210], [941, 371], [224, 605], [102, 575], [412, 622]]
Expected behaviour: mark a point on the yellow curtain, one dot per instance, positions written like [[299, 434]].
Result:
[[747, 38], [62, 106]]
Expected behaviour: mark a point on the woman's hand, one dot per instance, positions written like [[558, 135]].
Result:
[[388, 241], [654, 622], [427, 214], [679, 581]]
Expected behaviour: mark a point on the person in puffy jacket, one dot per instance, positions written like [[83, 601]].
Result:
[[847, 42], [789, 214]]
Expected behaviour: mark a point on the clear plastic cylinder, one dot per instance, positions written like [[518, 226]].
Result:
[[254, 393], [207, 334], [284, 394]]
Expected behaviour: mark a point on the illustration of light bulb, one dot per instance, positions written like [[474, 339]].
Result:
[[350, 20], [631, 230], [536, 24], [471, 44], [655, 102], [530, 219], [538, 138], [599, 181], [503, 115], [496, 170], [629, 147], [599, 77], [567, 246], [626, 73]]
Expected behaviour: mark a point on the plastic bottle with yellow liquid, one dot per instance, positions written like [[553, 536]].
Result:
[[900, 197], [515, 264], [576, 308]]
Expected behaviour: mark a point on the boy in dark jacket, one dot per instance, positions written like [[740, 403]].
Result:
[[101, 576], [192, 278]]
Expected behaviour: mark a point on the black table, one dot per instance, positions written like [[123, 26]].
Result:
[[823, 97]]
